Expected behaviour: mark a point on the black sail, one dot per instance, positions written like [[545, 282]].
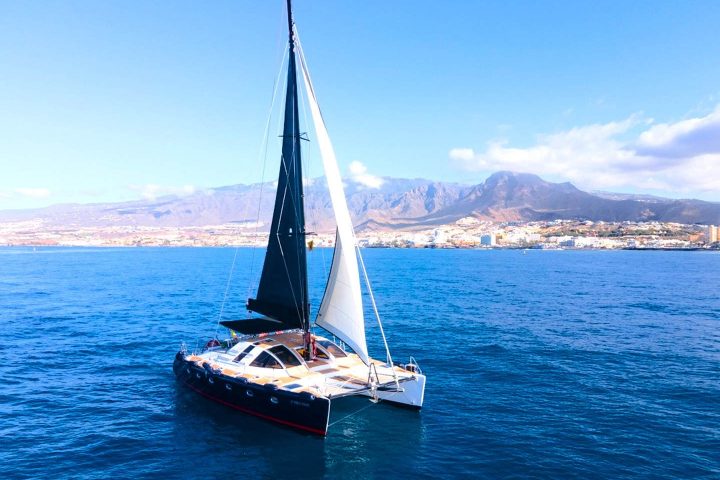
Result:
[[282, 293]]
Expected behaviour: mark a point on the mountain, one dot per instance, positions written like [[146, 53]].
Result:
[[396, 204], [508, 196]]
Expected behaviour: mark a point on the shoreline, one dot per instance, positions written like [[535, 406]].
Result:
[[37, 246], [465, 234]]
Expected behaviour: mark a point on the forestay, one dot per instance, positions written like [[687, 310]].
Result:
[[341, 311]]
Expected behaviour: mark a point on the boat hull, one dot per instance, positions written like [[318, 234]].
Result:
[[301, 411], [410, 395]]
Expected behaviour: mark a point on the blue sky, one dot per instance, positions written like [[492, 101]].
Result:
[[118, 100]]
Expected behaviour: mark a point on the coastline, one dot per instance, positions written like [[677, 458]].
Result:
[[468, 233]]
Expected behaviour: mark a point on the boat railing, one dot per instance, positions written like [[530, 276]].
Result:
[[415, 364], [203, 345]]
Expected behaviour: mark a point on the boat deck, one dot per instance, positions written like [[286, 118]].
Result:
[[335, 376]]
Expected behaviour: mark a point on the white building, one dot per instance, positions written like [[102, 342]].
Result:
[[489, 240], [438, 237], [712, 234]]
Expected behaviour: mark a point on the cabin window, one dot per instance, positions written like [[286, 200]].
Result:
[[244, 353], [332, 348], [285, 356], [265, 360]]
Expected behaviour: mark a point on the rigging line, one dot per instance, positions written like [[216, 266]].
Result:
[[353, 413], [295, 154], [264, 152], [374, 305], [322, 299], [280, 215], [298, 305], [296, 211], [307, 158], [285, 190], [311, 92], [277, 234], [295, 166], [287, 272], [227, 289], [303, 65], [292, 154]]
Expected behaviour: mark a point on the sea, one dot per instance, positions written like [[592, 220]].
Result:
[[540, 364]]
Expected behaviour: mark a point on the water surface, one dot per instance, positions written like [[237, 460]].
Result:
[[546, 364]]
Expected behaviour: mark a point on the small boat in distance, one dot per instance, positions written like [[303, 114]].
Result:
[[274, 365]]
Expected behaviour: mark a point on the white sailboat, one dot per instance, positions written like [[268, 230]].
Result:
[[278, 368]]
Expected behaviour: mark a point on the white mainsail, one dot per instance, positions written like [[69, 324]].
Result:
[[341, 311]]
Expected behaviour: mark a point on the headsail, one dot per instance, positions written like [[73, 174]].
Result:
[[282, 293], [341, 311]]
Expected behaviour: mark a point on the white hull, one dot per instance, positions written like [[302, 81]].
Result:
[[411, 393]]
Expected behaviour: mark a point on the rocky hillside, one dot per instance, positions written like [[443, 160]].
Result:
[[397, 204]]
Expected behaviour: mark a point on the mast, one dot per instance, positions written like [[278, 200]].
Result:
[[290, 27], [283, 290]]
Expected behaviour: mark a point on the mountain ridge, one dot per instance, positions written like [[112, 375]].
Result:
[[397, 204]]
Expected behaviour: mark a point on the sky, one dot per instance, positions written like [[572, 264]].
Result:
[[121, 100]]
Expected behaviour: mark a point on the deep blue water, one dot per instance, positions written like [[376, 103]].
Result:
[[545, 365]]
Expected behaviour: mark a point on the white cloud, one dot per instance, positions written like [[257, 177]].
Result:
[[152, 191], [682, 157], [358, 174], [687, 138], [462, 154], [33, 192]]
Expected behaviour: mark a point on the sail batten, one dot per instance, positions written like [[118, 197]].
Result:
[[283, 292], [341, 311]]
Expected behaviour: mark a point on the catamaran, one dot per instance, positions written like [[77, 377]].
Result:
[[274, 364]]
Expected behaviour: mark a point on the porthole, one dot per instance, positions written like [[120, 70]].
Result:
[[274, 400], [249, 393], [211, 380], [228, 386]]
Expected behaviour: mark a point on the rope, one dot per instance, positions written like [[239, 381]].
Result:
[[264, 151], [311, 92], [309, 153], [298, 307], [354, 413], [287, 272], [374, 305], [227, 289]]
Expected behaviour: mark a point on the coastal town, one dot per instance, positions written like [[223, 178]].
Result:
[[467, 232]]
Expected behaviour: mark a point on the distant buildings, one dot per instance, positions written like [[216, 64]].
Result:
[[489, 240], [712, 234], [439, 237], [469, 233]]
